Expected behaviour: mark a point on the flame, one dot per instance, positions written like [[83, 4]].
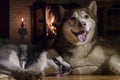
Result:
[[22, 19], [50, 18]]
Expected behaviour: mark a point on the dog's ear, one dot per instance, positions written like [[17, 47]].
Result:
[[62, 11], [93, 7]]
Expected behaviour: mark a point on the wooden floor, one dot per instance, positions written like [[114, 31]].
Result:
[[86, 77], [90, 77]]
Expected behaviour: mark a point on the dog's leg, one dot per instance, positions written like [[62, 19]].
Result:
[[85, 70], [114, 64]]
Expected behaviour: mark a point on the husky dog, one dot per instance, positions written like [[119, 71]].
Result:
[[16, 61], [78, 44]]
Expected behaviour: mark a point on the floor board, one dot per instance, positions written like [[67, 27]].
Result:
[[89, 77], [76, 77]]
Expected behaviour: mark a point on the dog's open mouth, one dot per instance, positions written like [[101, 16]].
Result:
[[81, 35]]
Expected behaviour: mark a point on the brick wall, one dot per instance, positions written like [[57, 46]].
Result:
[[20, 9]]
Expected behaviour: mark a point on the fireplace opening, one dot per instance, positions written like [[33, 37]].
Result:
[[50, 20], [46, 19]]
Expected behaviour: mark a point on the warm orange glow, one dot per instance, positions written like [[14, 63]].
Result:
[[50, 18], [22, 19]]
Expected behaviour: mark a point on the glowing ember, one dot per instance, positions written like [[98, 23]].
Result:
[[50, 18]]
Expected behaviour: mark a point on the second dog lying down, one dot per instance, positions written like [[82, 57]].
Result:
[[13, 56]]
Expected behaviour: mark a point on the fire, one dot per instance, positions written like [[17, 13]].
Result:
[[50, 18]]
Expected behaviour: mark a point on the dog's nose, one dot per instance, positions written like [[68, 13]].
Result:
[[81, 24]]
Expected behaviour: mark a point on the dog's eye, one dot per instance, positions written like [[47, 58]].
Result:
[[86, 16], [73, 18]]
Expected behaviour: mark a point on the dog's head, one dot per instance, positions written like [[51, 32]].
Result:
[[79, 24]]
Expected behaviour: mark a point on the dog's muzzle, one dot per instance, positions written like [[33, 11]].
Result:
[[63, 69], [82, 33], [82, 24]]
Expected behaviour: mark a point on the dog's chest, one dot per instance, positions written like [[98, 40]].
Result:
[[83, 56], [80, 52]]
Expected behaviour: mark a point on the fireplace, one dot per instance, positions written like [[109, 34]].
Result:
[[46, 19]]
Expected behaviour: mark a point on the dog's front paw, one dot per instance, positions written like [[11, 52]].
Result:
[[63, 67]]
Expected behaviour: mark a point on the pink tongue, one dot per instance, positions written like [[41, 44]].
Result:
[[82, 37]]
